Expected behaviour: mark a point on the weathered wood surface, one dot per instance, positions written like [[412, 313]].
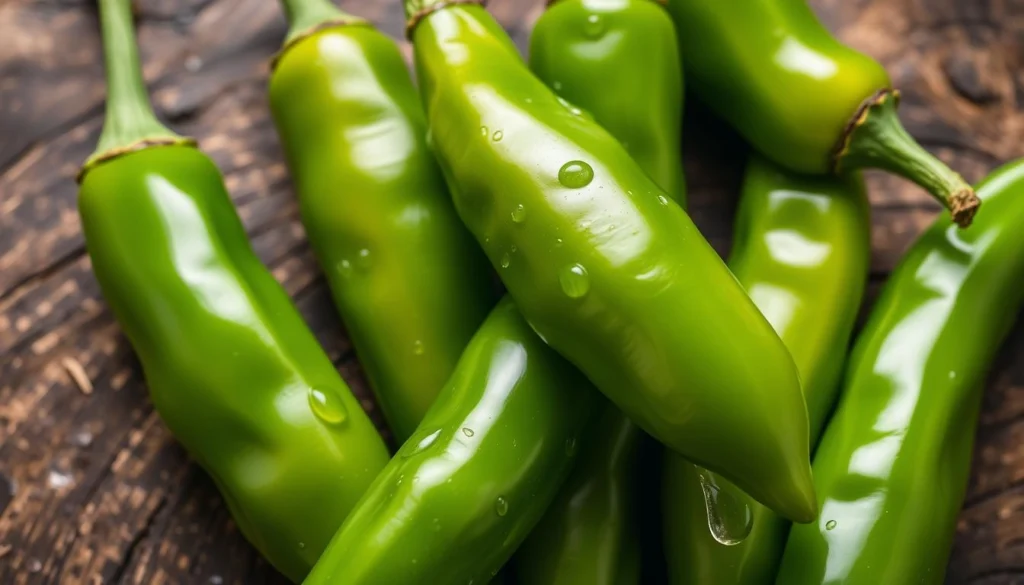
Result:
[[92, 486]]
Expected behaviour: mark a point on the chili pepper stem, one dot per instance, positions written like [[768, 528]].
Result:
[[412, 7], [417, 10], [130, 123], [875, 138], [308, 16]]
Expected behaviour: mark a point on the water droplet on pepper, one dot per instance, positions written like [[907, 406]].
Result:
[[327, 406], [574, 280], [519, 213], [363, 260], [423, 444], [575, 174], [594, 27], [730, 518]]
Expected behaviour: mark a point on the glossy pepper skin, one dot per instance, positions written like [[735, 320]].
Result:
[[409, 281], [591, 533], [802, 251], [604, 266], [475, 477], [801, 97], [894, 461], [617, 59], [232, 368]]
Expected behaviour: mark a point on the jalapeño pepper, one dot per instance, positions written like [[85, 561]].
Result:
[[231, 367], [802, 98], [475, 477], [801, 250], [410, 283], [894, 461], [605, 266]]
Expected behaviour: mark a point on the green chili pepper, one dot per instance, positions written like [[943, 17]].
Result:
[[591, 533], [617, 59], [605, 267], [802, 250], [477, 474], [801, 97], [410, 283], [231, 367], [894, 461]]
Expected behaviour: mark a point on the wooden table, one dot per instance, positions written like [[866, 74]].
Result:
[[92, 486]]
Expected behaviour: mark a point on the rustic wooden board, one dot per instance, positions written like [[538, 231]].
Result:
[[93, 489]]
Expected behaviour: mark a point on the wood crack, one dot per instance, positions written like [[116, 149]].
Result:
[[43, 274], [139, 537]]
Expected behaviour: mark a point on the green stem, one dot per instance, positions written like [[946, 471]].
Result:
[[306, 16], [875, 138], [130, 121]]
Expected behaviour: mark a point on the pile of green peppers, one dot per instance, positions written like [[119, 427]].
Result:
[[578, 388]]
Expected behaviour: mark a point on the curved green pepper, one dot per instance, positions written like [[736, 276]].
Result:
[[591, 533], [231, 367], [894, 461], [477, 474], [605, 267], [802, 250], [410, 283], [802, 98], [617, 59]]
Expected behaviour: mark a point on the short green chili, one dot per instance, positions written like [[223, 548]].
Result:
[[232, 369]]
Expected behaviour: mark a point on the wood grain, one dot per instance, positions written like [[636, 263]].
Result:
[[93, 489]]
